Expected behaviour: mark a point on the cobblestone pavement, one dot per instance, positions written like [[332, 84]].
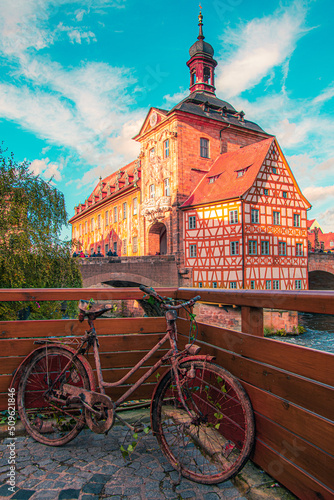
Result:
[[92, 467]]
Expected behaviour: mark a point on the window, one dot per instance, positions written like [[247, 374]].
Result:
[[200, 285], [74, 232], [284, 194], [233, 216], [115, 247], [214, 284], [106, 249], [92, 250], [166, 187], [274, 170], [296, 220], [115, 214], [252, 284], [193, 77], [234, 246], [135, 206], [152, 191], [298, 284], [124, 246], [254, 216], [192, 222], [152, 152], [252, 247], [135, 244], [242, 172], [281, 248], [92, 224], [276, 218], [268, 284], [106, 218], [206, 74], [124, 210], [99, 221], [192, 250], [204, 148], [166, 148], [233, 284], [276, 284], [86, 227], [299, 249], [266, 192], [79, 229], [264, 247], [98, 249]]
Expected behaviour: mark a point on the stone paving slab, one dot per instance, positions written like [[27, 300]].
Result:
[[91, 467]]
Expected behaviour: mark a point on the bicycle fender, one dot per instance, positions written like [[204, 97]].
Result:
[[18, 372]]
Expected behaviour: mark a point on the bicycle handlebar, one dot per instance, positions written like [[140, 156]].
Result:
[[153, 293]]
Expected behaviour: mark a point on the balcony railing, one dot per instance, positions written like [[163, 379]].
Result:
[[291, 388]]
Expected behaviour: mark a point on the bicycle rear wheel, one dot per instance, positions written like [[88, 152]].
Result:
[[213, 443], [44, 413]]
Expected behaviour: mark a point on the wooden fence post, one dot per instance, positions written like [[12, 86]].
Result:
[[252, 320]]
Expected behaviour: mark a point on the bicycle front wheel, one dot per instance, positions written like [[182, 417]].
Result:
[[211, 440], [41, 404]]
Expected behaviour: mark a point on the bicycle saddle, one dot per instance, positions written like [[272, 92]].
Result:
[[87, 308]]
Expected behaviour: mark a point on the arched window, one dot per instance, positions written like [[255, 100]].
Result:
[[207, 74]]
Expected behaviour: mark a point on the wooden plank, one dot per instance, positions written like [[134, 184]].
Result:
[[306, 393], [22, 347], [61, 327], [317, 301], [302, 484], [252, 320], [298, 451], [316, 430], [297, 359], [41, 294]]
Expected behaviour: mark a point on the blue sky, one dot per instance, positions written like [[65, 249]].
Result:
[[78, 77]]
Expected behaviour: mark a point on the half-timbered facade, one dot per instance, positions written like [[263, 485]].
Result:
[[246, 223], [211, 188]]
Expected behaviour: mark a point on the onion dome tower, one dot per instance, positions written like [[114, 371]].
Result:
[[201, 63]]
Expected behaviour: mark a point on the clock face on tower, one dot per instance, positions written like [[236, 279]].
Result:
[[153, 119]]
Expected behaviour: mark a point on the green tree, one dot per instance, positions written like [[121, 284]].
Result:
[[32, 214]]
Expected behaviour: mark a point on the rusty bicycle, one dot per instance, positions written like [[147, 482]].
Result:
[[200, 413]]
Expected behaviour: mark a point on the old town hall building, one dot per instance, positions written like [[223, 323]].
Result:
[[209, 187]]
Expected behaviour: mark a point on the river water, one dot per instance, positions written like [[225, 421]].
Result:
[[319, 332]]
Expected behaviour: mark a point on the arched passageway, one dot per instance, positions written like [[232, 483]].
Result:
[[157, 239], [321, 280]]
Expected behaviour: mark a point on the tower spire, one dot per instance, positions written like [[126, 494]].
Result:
[[201, 63], [200, 24]]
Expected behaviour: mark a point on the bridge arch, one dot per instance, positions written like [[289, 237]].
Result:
[[320, 280], [120, 280]]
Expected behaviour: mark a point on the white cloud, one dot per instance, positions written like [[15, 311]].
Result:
[[48, 170], [319, 193], [326, 220], [170, 100], [257, 47]]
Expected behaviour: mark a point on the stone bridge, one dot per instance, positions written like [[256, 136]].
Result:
[[321, 271], [161, 270], [156, 271]]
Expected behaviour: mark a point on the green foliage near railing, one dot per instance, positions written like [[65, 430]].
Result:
[[32, 255]]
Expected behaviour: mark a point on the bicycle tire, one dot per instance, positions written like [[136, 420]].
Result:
[[51, 422], [214, 443]]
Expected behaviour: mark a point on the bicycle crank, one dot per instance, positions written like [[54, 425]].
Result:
[[99, 408]]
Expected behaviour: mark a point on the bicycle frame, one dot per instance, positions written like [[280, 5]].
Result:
[[172, 354]]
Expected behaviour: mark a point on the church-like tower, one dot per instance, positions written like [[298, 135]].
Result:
[[201, 63]]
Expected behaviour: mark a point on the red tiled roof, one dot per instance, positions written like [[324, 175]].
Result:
[[325, 238], [111, 179], [310, 222], [227, 184]]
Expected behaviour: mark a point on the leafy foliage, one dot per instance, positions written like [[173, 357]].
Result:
[[32, 214]]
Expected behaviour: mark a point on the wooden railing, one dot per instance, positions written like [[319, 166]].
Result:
[[291, 388]]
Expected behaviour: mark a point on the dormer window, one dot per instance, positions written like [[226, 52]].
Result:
[[213, 178], [242, 172]]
